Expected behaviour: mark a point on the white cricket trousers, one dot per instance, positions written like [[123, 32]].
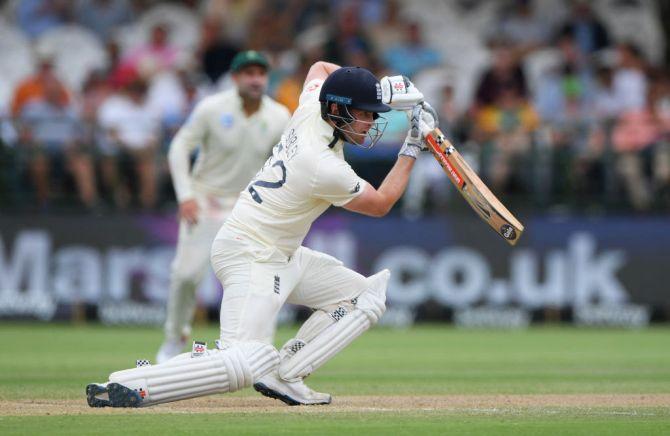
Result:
[[191, 262], [258, 281]]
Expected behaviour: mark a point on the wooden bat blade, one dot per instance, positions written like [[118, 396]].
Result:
[[471, 187]]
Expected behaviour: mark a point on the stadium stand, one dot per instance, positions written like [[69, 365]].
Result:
[[575, 58]]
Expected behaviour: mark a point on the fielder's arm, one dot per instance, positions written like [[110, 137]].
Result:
[[190, 135]]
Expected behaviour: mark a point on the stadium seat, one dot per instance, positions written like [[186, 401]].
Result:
[[637, 23], [183, 24], [17, 60], [459, 34], [76, 50]]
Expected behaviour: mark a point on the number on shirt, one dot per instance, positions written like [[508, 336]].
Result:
[[265, 184]]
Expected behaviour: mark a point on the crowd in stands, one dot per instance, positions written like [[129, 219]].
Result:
[[549, 101]]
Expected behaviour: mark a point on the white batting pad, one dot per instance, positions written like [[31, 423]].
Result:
[[345, 327], [228, 370]]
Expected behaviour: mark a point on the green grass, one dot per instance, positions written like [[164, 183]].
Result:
[[55, 362], [339, 424]]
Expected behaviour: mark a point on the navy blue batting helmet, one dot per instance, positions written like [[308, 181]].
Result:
[[354, 87]]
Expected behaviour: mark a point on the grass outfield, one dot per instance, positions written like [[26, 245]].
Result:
[[427, 380]]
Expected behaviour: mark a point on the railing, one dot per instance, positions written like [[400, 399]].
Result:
[[561, 170]]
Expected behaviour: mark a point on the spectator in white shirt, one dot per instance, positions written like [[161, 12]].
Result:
[[130, 135]]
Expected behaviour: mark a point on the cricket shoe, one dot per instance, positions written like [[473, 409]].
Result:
[[293, 393], [112, 395], [170, 349]]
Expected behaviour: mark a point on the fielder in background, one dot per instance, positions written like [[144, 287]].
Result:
[[261, 263], [235, 131]]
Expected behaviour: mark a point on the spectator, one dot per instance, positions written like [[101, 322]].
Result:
[[166, 96], [565, 103], [50, 131], [505, 73], [606, 105], [661, 153], [564, 93], [33, 88], [412, 55], [95, 91], [36, 17], [389, 31], [158, 54], [505, 128], [630, 79], [175, 116], [522, 28], [289, 88], [273, 28], [118, 73], [104, 16], [347, 38], [453, 121], [640, 136], [633, 134], [586, 28], [130, 137], [216, 52]]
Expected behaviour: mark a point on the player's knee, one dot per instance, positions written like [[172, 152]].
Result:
[[246, 362], [181, 278], [373, 300], [258, 360]]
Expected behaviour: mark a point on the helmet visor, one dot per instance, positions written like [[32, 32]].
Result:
[[367, 139]]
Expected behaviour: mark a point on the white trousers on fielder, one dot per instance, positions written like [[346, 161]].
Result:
[[257, 283], [191, 262]]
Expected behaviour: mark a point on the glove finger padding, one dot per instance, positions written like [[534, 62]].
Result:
[[429, 115], [415, 116], [414, 143], [399, 92]]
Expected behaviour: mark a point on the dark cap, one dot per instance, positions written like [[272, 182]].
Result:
[[249, 57], [355, 87]]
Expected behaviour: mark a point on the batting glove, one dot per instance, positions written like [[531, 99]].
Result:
[[429, 119], [413, 144], [399, 92]]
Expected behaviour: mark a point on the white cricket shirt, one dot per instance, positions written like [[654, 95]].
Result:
[[301, 179]]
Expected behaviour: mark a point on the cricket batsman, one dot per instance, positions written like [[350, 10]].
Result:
[[235, 131], [258, 257]]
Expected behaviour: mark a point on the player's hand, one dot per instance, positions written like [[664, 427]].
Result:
[[188, 211], [414, 144], [399, 92]]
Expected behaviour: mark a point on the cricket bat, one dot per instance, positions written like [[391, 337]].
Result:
[[475, 192]]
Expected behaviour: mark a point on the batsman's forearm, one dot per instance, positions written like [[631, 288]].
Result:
[[396, 180]]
